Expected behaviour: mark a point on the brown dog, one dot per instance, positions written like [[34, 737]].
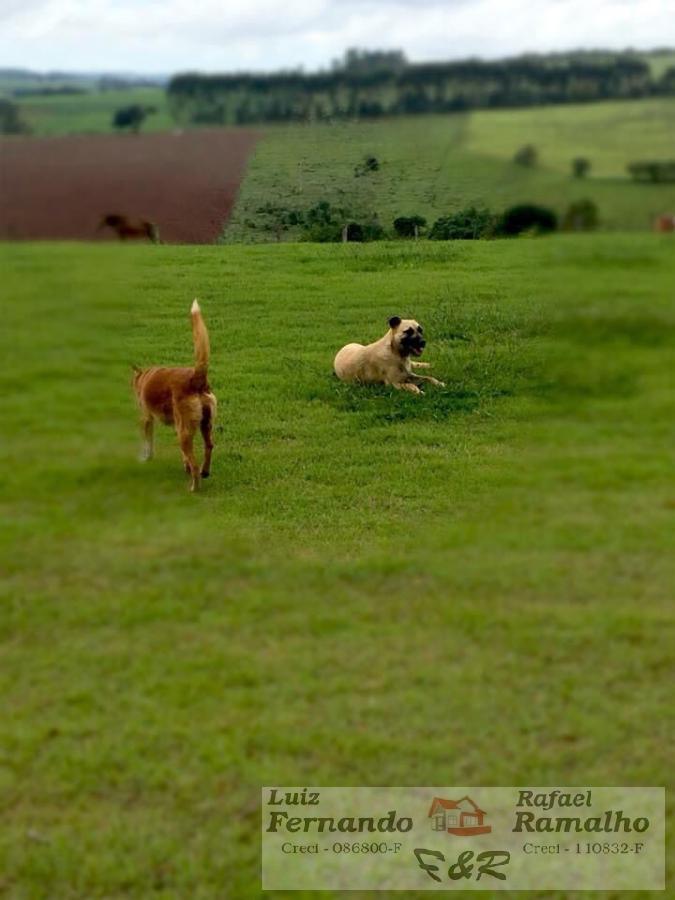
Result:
[[180, 397], [124, 228], [664, 223], [387, 361]]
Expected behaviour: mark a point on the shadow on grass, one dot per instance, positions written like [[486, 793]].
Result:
[[381, 404]]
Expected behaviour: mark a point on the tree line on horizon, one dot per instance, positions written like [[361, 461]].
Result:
[[374, 84]]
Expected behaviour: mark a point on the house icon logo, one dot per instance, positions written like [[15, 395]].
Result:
[[460, 817]]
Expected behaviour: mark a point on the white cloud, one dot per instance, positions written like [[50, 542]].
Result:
[[170, 35]]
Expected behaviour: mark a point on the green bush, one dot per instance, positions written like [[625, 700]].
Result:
[[324, 223], [372, 229], [409, 226], [468, 224], [322, 233], [526, 217], [275, 218]]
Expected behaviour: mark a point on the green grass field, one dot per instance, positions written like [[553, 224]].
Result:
[[91, 113], [362, 570], [432, 165]]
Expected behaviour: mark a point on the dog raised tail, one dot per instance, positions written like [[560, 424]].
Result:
[[200, 336]]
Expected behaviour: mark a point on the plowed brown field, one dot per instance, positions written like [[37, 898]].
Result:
[[59, 188]]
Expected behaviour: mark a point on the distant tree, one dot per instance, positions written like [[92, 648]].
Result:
[[409, 226], [132, 117], [526, 217], [653, 170], [526, 156], [378, 83], [365, 62], [582, 215], [581, 166], [468, 224], [10, 119]]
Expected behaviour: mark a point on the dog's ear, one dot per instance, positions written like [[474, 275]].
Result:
[[394, 322]]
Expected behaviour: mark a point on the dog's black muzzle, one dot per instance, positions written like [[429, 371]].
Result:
[[413, 345]]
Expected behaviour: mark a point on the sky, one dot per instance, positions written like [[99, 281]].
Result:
[[165, 36]]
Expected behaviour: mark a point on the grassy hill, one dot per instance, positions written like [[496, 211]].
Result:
[[90, 112], [436, 164], [431, 165], [16, 79], [362, 568]]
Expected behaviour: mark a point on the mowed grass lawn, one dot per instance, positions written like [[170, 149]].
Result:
[[435, 165], [469, 587]]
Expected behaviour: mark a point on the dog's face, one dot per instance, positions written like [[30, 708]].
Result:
[[407, 336]]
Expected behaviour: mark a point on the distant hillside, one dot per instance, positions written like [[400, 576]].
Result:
[[435, 165], [89, 112], [364, 85], [21, 82]]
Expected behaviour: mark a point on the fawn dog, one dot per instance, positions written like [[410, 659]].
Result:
[[387, 361], [180, 396]]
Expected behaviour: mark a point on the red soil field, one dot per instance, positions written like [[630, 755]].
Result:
[[59, 188]]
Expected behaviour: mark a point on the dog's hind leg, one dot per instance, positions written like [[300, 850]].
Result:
[[186, 438], [205, 427], [187, 419], [148, 437]]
